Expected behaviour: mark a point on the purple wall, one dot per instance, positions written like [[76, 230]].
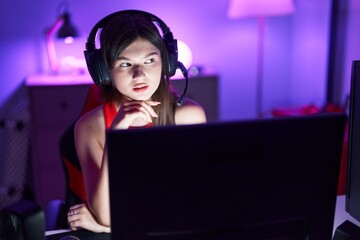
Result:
[[296, 47]]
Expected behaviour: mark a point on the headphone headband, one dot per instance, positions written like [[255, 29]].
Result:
[[90, 44], [97, 65]]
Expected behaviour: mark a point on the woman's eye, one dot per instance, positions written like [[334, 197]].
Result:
[[125, 64], [151, 60]]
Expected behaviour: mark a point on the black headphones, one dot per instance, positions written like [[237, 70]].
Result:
[[98, 68]]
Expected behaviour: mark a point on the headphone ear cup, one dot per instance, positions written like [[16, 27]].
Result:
[[97, 67], [171, 46]]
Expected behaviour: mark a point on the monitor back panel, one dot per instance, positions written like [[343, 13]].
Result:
[[254, 179], [353, 176]]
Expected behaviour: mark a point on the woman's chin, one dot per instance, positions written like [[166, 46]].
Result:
[[142, 98], [137, 98]]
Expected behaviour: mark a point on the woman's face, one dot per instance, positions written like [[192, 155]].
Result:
[[137, 70]]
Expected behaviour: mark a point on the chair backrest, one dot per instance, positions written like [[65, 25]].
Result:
[[75, 189]]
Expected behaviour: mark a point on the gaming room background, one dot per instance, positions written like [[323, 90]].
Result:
[[293, 62], [296, 47]]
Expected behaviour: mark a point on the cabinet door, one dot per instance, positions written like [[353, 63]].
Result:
[[56, 105], [202, 89], [53, 109]]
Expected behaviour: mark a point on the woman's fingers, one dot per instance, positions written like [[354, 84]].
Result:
[[80, 217], [148, 106], [144, 106], [152, 103], [131, 110], [73, 225], [74, 215]]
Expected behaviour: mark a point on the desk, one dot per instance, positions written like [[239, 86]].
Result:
[[340, 213], [81, 234], [340, 216]]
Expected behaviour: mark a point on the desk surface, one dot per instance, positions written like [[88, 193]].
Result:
[[340, 216], [81, 234]]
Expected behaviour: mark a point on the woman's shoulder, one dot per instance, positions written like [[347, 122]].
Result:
[[92, 120], [190, 112]]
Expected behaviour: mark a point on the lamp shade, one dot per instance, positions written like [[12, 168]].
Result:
[[64, 29], [256, 8], [67, 29]]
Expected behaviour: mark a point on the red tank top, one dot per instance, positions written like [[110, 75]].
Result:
[[110, 113]]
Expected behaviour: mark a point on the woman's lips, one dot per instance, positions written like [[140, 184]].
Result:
[[139, 89]]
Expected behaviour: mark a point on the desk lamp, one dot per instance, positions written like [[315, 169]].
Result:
[[65, 30]]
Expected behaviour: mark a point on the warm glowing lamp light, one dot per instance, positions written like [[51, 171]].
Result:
[[65, 30], [259, 8]]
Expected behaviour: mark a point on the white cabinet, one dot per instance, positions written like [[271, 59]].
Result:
[[55, 102]]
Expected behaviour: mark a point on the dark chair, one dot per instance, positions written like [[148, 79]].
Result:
[[22, 220], [75, 189], [56, 212]]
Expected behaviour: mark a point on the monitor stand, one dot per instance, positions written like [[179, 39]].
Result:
[[347, 231]]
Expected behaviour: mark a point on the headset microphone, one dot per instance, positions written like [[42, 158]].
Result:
[[185, 73]]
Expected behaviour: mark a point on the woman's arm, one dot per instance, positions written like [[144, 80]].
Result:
[[100, 202], [90, 144], [90, 141]]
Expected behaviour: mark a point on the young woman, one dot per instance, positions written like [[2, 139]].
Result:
[[139, 95]]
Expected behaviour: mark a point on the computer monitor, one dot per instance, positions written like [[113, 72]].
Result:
[[273, 178], [352, 202]]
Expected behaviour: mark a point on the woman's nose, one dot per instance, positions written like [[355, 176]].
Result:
[[137, 71]]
